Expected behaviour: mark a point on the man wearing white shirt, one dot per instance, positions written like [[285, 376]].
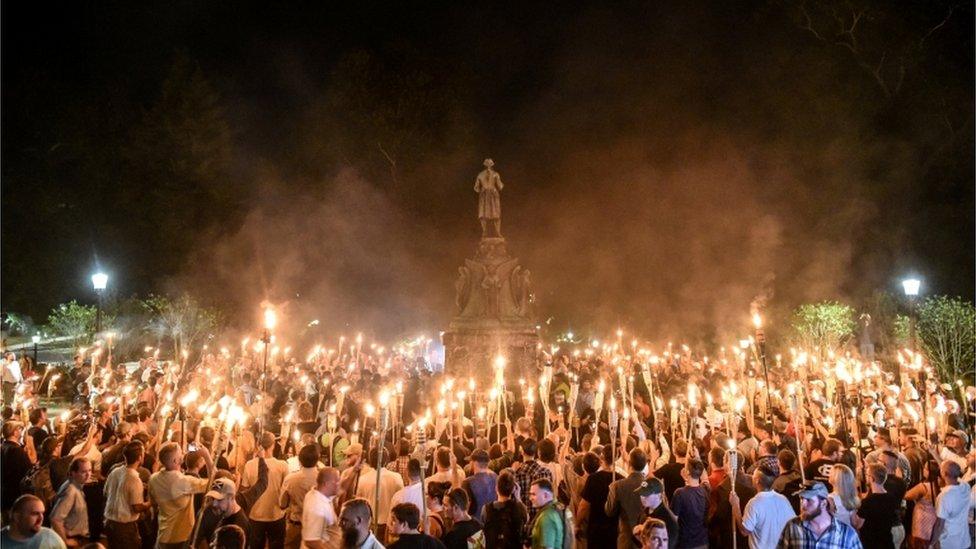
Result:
[[952, 509], [320, 523], [390, 483], [267, 517], [766, 514], [293, 491], [11, 377], [410, 494]]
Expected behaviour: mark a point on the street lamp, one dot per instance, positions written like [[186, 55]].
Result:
[[36, 338], [99, 282], [911, 287]]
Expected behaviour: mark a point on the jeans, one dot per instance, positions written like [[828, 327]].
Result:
[[122, 534], [272, 533]]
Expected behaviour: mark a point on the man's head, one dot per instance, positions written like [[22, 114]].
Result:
[[637, 460], [693, 469], [308, 456], [763, 477], [540, 493], [133, 452], [12, 429], [547, 451], [406, 518], [222, 493], [229, 536], [505, 483], [80, 470], [123, 431], [950, 472], [877, 474], [767, 448], [681, 448], [171, 456], [813, 500], [890, 461], [786, 460], [529, 448], [958, 440], [479, 461], [327, 481], [354, 521], [267, 442], [456, 503], [27, 515], [443, 458], [353, 453], [654, 534], [650, 493], [38, 416], [832, 449]]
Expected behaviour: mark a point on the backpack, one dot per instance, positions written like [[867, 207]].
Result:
[[37, 482], [569, 530], [498, 527]]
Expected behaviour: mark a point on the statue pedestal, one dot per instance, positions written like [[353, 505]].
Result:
[[492, 317]]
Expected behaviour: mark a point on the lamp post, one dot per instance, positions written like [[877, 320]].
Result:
[[36, 338], [99, 282], [911, 287]]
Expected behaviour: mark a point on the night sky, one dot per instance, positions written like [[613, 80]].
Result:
[[666, 165]]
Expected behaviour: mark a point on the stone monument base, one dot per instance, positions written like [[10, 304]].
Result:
[[471, 352]]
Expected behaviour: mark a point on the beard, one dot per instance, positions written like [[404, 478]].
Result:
[[812, 514], [350, 537]]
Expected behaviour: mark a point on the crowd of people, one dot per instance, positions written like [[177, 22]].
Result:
[[358, 449]]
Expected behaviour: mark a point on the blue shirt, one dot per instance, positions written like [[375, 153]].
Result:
[[481, 490]]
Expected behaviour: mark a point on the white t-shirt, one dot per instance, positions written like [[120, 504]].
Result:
[[123, 488], [319, 520], [11, 372], [952, 506], [409, 494], [765, 516], [390, 483]]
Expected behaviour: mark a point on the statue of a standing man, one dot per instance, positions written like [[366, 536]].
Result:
[[487, 185]]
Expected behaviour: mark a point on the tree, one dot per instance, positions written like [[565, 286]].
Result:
[[183, 320], [946, 328], [73, 320], [825, 326]]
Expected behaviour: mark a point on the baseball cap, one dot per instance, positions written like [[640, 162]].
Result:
[[960, 434], [812, 489], [222, 488], [354, 450], [649, 486]]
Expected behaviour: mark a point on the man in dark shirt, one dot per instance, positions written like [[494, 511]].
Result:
[[38, 421], [16, 463], [819, 470], [651, 493], [480, 486], [504, 519], [223, 492], [404, 523], [463, 525], [690, 503], [599, 527], [623, 502], [877, 513], [670, 473]]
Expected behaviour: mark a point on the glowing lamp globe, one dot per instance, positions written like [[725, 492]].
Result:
[[911, 286], [99, 281]]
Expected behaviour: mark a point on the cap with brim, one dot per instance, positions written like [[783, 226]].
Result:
[[648, 487], [812, 490], [222, 488], [354, 449]]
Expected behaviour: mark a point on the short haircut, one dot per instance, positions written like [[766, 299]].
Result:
[[591, 463], [379, 454], [952, 469], [529, 447], [768, 447], [638, 459], [324, 474], [10, 427], [716, 456], [359, 507], [77, 463], [505, 483], [443, 457], [681, 448], [230, 536], [458, 497], [308, 456], [436, 490], [24, 501], [132, 452], [267, 440], [606, 454], [831, 446], [787, 460], [695, 468], [413, 468], [36, 414], [877, 473], [765, 475], [543, 484], [406, 513], [547, 450], [167, 451]]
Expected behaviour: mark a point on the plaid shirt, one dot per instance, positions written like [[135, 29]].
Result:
[[400, 465], [798, 535], [529, 472]]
